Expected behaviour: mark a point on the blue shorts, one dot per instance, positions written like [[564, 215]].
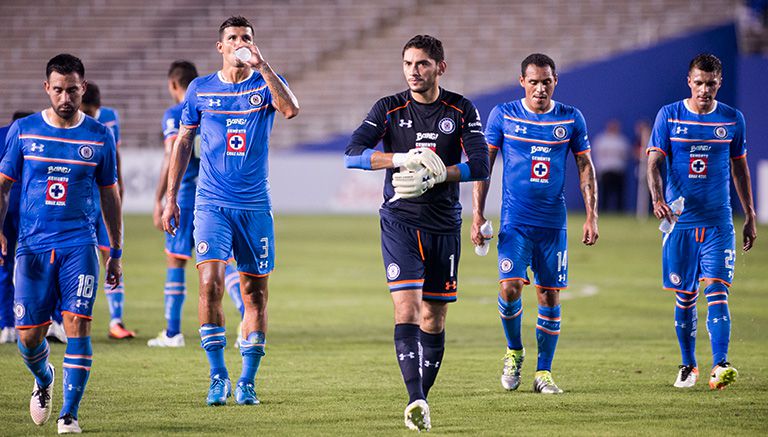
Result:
[[250, 235], [42, 279], [693, 255], [414, 259], [181, 245], [544, 250]]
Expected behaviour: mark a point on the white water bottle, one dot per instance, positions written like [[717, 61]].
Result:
[[486, 230], [677, 206]]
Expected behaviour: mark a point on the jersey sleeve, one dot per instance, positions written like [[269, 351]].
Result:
[[366, 137], [659, 140], [115, 127], [170, 125], [190, 113], [494, 129], [476, 167], [13, 160], [739, 142], [106, 171], [579, 138]]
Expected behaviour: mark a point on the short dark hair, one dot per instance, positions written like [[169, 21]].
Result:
[[236, 21], [431, 45], [706, 62], [539, 60], [21, 114], [92, 95], [183, 72], [65, 64]]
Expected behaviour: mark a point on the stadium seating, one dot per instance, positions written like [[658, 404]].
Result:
[[338, 56]]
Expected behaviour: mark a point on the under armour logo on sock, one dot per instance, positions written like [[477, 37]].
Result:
[[410, 355], [428, 363]]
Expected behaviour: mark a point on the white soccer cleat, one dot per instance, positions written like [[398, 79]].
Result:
[[162, 340], [40, 402], [417, 416], [68, 425], [510, 374], [687, 377], [544, 384], [8, 335], [723, 375], [56, 332]]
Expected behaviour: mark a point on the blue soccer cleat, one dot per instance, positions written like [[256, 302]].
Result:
[[219, 391], [245, 394]]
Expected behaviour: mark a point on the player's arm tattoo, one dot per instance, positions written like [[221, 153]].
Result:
[[588, 182], [111, 210], [282, 96], [180, 154]]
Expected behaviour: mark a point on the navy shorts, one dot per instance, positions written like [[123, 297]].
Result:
[[544, 250], [415, 259], [42, 279], [697, 254]]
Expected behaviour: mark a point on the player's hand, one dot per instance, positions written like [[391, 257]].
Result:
[[157, 215], [750, 232], [477, 236], [257, 60], [3, 248], [425, 157], [171, 217], [409, 184], [662, 211], [114, 272], [591, 234]]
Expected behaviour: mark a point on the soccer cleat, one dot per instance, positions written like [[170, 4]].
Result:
[[687, 376], [40, 402], [8, 335], [118, 332], [513, 362], [219, 391], [162, 340], [723, 375], [56, 332], [68, 425], [417, 416], [245, 394], [544, 384]]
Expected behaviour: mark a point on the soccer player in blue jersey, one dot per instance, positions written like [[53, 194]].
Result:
[[423, 131], [534, 135], [178, 248], [234, 109], [702, 142], [57, 156], [11, 231], [115, 295]]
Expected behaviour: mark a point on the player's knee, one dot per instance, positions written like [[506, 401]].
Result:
[[548, 297], [32, 337], [511, 290]]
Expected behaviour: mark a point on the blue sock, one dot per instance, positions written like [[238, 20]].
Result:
[[433, 347], [547, 333], [36, 359], [718, 321], [511, 314], [77, 367], [232, 284], [408, 352], [115, 300], [685, 326], [252, 349], [213, 339], [175, 292]]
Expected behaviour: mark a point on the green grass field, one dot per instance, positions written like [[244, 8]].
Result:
[[330, 367]]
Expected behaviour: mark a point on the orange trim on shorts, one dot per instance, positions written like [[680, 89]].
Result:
[[491, 146], [679, 291], [421, 249], [177, 255], [429, 293], [33, 326], [53, 256], [421, 281], [550, 288], [8, 177], [727, 284], [254, 275], [702, 235], [525, 280], [210, 261], [77, 315]]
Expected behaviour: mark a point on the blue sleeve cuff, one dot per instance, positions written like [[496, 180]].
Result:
[[466, 175], [362, 161]]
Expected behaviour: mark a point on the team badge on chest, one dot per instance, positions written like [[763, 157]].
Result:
[[697, 167], [540, 169], [56, 192], [236, 142], [256, 99], [447, 125]]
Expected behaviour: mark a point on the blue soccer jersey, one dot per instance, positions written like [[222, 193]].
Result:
[[534, 148], [171, 120], [234, 121], [698, 149], [57, 170]]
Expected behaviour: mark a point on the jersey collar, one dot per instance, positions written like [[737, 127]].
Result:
[[551, 107], [685, 103], [48, 121], [221, 77]]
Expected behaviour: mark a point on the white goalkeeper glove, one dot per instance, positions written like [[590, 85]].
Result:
[[409, 184], [419, 157]]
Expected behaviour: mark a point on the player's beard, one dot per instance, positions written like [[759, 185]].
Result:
[[66, 111]]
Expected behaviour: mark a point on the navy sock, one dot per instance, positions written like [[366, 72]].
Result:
[[408, 352], [685, 326], [718, 321], [511, 314], [77, 367], [213, 339], [433, 347], [175, 292]]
